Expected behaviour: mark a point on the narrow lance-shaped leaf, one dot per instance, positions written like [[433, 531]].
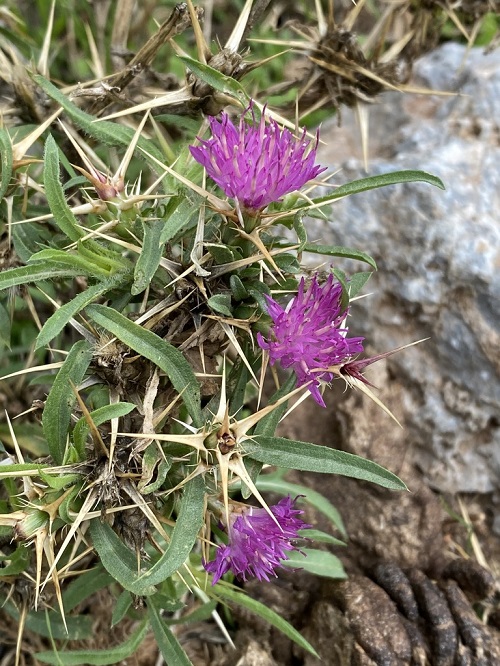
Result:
[[307, 457], [187, 526], [317, 562], [276, 484], [54, 192], [56, 322], [6, 158], [34, 273], [98, 416], [51, 623], [374, 182], [61, 259], [170, 647], [162, 353], [242, 599], [114, 655], [57, 412], [149, 259]]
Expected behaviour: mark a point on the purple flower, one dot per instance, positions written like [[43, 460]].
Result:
[[256, 164], [256, 544], [310, 335]]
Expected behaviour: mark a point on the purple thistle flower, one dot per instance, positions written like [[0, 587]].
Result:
[[256, 164], [310, 334], [257, 544]]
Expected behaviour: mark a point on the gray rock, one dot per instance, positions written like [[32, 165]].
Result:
[[438, 255]]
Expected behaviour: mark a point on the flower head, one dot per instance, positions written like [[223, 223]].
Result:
[[257, 544], [256, 164], [310, 335]]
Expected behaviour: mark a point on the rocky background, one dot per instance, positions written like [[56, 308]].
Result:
[[438, 255]]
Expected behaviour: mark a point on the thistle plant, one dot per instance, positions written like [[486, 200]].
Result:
[[160, 306]]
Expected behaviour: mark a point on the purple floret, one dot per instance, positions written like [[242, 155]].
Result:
[[256, 164], [256, 544], [310, 335]]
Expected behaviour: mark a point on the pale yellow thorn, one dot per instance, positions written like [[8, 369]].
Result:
[[114, 398], [320, 16], [476, 546], [194, 441], [81, 516], [141, 504], [97, 67], [234, 40], [49, 554], [43, 60], [122, 169], [351, 17], [20, 630], [224, 474], [219, 204], [240, 428], [229, 332], [356, 383], [237, 466], [20, 149], [174, 97], [362, 115], [202, 47]]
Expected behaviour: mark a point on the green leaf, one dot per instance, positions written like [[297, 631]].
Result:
[[117, 559], [16, 470], [238, 288], [307, 457], [4, 327], [54, 192], [149, 259], [60, 481], [6, 158], [221, 303], [98, 416], [56, 322], [57, 412], [170, 647], [114, 655], [29, 237], [320, 537], [381, 180], [317, 562], [300, 230], [357, 282], [242, 599], [62, 259], [187, 526], [216, 79], [34, 273], [339, 251], [181, 214], [122, 605], [162, 353], [18, 561]]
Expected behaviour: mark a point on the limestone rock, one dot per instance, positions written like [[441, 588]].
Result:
[[438, 254]]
